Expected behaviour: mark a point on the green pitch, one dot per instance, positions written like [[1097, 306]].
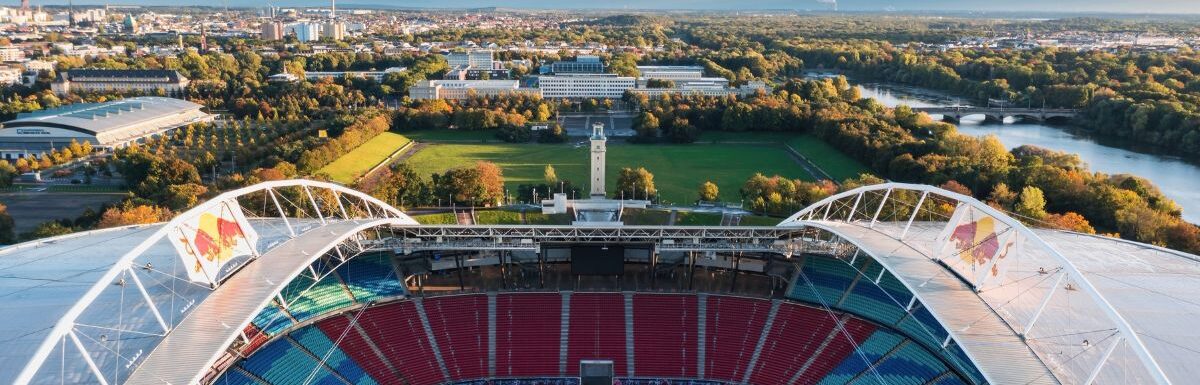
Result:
[[678, 169]]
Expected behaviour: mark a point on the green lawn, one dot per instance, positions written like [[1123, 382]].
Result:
[[435, 219], [711, 137], [496, 217], [714, 219], [837, 164], [357, 162], [678, 169]]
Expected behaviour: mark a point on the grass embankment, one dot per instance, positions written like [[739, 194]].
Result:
[[354, 164]]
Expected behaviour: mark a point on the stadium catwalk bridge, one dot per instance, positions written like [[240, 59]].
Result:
[[1027, 306], [783, 241]]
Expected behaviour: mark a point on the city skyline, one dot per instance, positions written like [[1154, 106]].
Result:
[[1066, 6]]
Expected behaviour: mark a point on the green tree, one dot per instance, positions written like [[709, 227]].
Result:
[[7, 226], [549, 175], [1031, 203], [636, 183], [647, 126], [709, 192], [46, 230], [624, 64]]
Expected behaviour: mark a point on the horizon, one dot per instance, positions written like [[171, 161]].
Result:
[[1075, 7]]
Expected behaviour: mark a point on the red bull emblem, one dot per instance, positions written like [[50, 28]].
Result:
[[977, 242], [216, 238]]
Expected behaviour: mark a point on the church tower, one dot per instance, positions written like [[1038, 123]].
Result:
[[598, 149]]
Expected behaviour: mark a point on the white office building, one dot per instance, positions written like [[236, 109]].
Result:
[[377, 76], [305, 32], [671, 72], [479, 58], [585, 86], [462, 89], [702, 86], [10, 75], [11, 53]]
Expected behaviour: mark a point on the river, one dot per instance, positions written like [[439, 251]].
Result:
[[1178, 180]]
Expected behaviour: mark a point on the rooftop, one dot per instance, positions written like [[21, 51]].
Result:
[[172, 76], [95, 118]]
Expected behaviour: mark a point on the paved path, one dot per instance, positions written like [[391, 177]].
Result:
[[808, 165]]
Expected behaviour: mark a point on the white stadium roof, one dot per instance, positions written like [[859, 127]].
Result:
[[97, 118], [1062, 308]]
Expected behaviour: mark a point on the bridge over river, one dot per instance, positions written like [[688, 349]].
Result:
[[954, 114]]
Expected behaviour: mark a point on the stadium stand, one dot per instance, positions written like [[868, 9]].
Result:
[[597, 330], [528, 333], [371, 277], [801, 341], [397, 331], [734, 325], [744, 343], [351, 340], [665, 326], [460, 326], [317, 343], [866, 290]]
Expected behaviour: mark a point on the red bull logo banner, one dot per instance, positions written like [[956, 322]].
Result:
[[214, 242], [976, 245]]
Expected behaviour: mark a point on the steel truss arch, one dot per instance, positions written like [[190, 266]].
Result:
[[187, 354], [125, 266], [819, 215]]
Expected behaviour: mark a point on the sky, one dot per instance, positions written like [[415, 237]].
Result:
[[1088, 6]]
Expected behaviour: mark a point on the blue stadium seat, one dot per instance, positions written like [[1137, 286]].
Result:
[[234, 377], [371, 277], [281, 363], [909, 365], [326, 295], [923, 328], [880, 342], [271, 320], [830, 277], [319, 345]]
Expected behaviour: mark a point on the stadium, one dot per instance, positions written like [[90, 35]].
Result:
[[106, 125], [303, 282]]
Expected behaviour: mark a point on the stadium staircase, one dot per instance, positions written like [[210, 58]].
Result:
[[629, 346], [465, 217], [491, 335], [701, 336], [762, 340], [564, 333], [597, 330]]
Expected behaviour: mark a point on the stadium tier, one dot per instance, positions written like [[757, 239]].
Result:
[[746, 340], [857, 289]]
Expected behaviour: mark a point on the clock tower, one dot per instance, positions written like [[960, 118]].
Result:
[[598, 149]]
